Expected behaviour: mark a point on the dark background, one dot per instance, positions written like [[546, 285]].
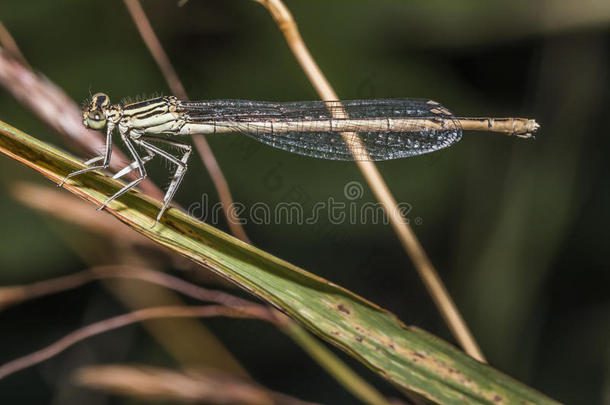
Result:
[[518, 229]]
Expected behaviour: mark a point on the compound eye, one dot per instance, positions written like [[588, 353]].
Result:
[[100, 100], [96, 119]]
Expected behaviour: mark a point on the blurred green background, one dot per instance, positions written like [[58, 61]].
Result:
[[518, 229]]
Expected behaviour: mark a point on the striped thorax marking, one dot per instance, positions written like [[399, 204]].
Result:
[[152, 116]]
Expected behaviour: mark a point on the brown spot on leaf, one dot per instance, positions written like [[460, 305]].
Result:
[[497, 398], [343, 309]]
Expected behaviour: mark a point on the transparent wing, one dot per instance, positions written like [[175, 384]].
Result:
[[386, 128]]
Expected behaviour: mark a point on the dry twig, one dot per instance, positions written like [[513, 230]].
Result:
[[407, 237], [124, 320], [198, 386], [13, 295]]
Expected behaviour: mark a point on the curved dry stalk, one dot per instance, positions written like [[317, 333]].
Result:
[[203, 147], [195, 385], [13, 295], [437, 290], [124, 320], [9, 43]]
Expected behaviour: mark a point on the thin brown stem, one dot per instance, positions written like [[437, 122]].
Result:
[[9, 43], [124, 320], [408, 239], [155, 48], [15, 294], [191, 385], [205, 152]]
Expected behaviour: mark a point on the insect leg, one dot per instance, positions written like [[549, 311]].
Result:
[[180, 163], [105, 157], [133, 165], [139, 164]]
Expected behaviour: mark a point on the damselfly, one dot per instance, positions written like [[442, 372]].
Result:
[[379, 129]]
